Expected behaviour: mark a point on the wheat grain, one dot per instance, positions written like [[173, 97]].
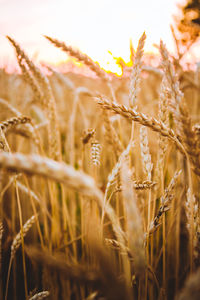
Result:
[[3, 142], [146, 157], [95, 152], [163, 116], [143, 185], [13, 122]]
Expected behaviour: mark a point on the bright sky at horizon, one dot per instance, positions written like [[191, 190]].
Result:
[[93, 26]]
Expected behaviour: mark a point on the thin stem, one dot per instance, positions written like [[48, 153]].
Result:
[[8, 277], [22, 240]]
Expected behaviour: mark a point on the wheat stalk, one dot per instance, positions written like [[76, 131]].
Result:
[[111, 135], [61, 78], [115, 174], [35, 164], [1, 236], [134, 221], [10, 107]]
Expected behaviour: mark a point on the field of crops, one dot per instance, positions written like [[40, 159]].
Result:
[[99, 189]]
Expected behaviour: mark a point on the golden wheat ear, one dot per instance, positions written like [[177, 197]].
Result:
[[82, 57], [133, 115], [17, 242], [41, 86], [136, 71]]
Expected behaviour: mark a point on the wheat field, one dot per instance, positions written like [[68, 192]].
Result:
[[100, 180]]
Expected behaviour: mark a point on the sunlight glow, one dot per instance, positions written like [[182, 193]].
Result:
[[93, 26]]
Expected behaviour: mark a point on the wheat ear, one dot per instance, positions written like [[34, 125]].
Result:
[[47, 100], [117, 147], [16, 244], [136, 71], [141, 118], [13, 122], [17, 240], [40, 295], [180, 111], [143, 185], [29, 78], [163, 116], [171, 77], [145, 153], [166, 200], [3, 142], [27, 67], [80, 56], [28, 129]]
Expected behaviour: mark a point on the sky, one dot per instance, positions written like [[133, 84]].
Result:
[[93, 26]]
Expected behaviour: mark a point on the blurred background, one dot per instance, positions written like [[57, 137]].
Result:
[[94, 27], [65, 123]]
